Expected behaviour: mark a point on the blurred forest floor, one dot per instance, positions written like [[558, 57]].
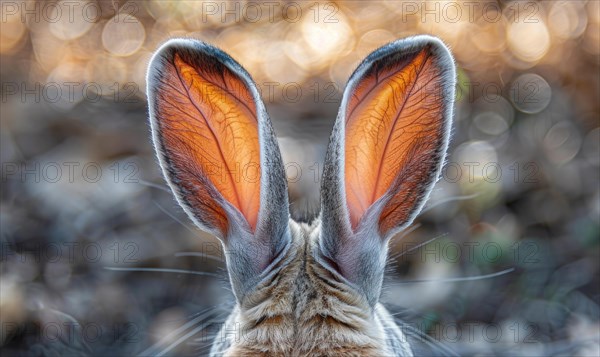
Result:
[[504, 260]]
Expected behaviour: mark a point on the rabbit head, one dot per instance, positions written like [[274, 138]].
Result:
[[303, 289]]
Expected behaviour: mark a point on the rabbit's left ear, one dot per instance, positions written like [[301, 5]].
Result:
[[385, 154], [219, 155]]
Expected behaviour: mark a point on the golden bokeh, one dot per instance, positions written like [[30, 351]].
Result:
[[522, 165], [291, 41], [123, 35], [532, 47]]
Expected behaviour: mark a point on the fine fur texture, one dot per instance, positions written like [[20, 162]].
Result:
[[300, 289]]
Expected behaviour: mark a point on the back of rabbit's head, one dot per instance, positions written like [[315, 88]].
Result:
[[303, 289]]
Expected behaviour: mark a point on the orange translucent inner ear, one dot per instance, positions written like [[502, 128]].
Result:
[[393, 118], [209, 126]]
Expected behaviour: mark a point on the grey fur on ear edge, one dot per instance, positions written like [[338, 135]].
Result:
[[360, 253], [249, 253]]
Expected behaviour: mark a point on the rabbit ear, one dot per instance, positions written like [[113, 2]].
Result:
[[218, 152], [386, 151]]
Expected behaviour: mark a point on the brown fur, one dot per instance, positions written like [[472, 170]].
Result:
[[306, 290], [303, 310]]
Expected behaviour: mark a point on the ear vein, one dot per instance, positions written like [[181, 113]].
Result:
[[211, 129], [390, 132]]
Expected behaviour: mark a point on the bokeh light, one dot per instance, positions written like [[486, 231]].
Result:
[[522, 169], [533, 46], [123, 35]]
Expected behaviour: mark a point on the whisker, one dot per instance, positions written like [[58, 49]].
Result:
[[164, 270], [174, 218], [152, 351], [407, 232], [154, 185], [186, 336], [451, 280], [396, 256], [426, 339], [225, 308], [197, 254], [406, 313], [65, 315], [450, 199], [77, 341]]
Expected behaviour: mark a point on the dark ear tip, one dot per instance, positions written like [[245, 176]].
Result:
[[190, 49], [195, 52], [434, 46], [173, 45], [403, 50], [163, 56]]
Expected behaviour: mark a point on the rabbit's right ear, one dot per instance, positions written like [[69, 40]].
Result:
[[219, 155], [385, 153]]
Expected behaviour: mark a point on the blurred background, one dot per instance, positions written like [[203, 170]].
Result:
[[97, 258]]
